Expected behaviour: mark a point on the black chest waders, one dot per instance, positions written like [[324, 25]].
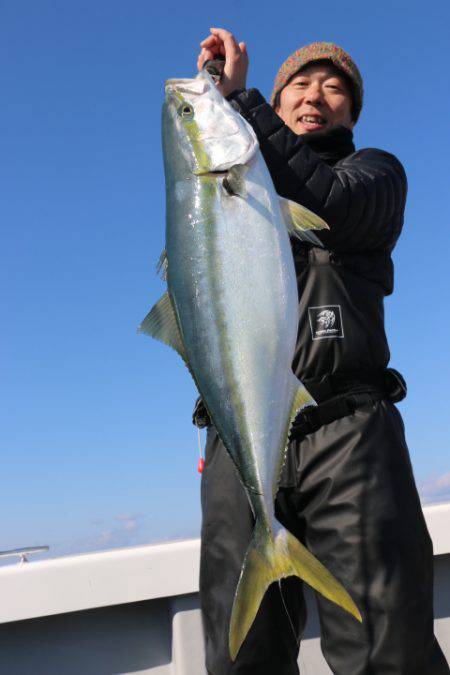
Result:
[[348, 493]]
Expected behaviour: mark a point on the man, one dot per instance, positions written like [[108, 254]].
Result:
[[347, 490]]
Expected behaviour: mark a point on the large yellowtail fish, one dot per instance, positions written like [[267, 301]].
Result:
[[231, 311]]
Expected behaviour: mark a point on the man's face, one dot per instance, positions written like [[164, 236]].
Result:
[[317, 97]]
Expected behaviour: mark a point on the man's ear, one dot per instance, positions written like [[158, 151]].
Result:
[[278, 112]]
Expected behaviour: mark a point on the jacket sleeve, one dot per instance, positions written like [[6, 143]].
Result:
[[362, 197]]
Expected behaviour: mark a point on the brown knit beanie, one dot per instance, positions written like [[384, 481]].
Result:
[[317, 51]]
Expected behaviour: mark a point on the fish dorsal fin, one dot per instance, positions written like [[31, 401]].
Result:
[[161, 324], [234, 181], [300, 221], [161, 265]]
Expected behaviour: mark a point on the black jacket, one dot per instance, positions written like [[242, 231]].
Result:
[[361, 195]]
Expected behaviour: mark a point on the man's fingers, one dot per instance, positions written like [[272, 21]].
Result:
[[208, 54], [213, 45], [223, 42], [210, 40], [200, 62], [214, 42], [230, 46]]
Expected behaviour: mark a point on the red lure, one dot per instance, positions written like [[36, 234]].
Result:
[[201, 461]]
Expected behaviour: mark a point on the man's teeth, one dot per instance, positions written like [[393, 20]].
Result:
[[312, 119]]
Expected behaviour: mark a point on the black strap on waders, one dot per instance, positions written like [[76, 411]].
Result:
[[386, 381], [337, 395], [341, 394], [312, 418]]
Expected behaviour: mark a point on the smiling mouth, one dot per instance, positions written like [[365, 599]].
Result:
[[313, 119]]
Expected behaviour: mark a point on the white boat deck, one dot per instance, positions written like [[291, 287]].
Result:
[[135, 610]]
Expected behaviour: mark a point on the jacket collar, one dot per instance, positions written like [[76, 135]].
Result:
[[331, 144]]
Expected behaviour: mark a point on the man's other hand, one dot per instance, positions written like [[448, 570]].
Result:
[[236, 59]]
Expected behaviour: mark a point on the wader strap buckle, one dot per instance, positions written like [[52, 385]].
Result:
[[395, 385], [200, 416]]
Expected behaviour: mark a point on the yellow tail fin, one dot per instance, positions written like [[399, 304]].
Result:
[[272, 557]]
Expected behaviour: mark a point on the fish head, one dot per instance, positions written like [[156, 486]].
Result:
[[201, 128]]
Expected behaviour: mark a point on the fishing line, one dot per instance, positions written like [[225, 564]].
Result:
[[291, 623], [201, 461]]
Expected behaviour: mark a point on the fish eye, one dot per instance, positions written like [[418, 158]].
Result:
[[185, 110]]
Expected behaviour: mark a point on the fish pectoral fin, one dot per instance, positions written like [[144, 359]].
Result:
[[300, 221], [161, 323], [272, 556], [234, 181], [161, 265]]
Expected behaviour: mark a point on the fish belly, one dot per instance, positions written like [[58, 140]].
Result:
[[233, 284]]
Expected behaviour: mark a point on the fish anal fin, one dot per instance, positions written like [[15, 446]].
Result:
[[302, 398]]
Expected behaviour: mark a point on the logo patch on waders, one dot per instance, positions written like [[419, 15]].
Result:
[[326, 322]]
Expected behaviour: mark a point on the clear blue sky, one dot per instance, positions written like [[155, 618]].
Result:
[[97, 445]]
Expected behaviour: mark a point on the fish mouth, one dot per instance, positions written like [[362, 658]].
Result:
[[178, 82], [186, 85]]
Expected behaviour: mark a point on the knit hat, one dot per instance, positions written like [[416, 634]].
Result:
[[316, 52]]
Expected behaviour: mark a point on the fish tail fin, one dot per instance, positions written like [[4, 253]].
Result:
[[272, 556]]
